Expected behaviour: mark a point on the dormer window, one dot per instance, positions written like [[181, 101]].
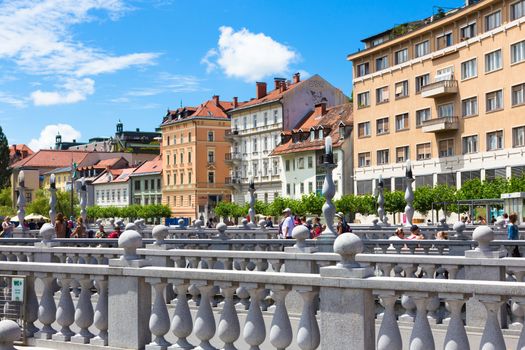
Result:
[[341, 131], [321, 134], [312, 135]]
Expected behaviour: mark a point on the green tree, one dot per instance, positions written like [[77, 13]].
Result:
[[423, 198], [312, 203], [346, 204], [365, 204], [5, 197], [394, 202], [5, 170]]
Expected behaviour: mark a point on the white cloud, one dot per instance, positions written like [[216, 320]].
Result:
[[73, 91], [48, 134], [37, 37], [249, 56], [11, 100]]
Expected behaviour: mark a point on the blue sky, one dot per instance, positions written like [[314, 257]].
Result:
[[79, 66]]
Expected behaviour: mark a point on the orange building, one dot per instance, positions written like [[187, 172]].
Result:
[[193, 152]]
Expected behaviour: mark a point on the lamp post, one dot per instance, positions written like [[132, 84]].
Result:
[[380, 200], [21, 202], [251, 211], [52, 198], [83, 201], [328, 190], [409, 194]]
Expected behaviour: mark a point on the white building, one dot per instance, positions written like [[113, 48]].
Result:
[[257, 126], [302, 148], [112, 188]]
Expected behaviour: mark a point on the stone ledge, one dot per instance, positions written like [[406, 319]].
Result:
[[49, 344]]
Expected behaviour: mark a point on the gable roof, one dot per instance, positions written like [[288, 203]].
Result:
[[331, 119], [213, 108], [48, 158], [20, 148], [117, 175], [151, 167]]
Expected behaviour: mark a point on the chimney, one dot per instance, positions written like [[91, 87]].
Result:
[[235, 102], [277, 82], [261, 89], [296, 78], [216, 100], [74, 141], [282, 88], [320, 108]]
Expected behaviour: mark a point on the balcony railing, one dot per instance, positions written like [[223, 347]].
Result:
[[232, 180], [232, 157], [230, 134], [440, 88], [440, 124]]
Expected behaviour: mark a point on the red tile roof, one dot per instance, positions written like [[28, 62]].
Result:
[[117, 175], [153, 166], [330, 120], [107, 163], [20, 148], [48, 158], [213, 108]]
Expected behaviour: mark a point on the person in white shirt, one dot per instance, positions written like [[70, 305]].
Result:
[[287, 225]]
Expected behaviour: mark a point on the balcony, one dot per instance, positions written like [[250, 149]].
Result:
[[440, 89], [231, 134], [232, 182], [441, 124], [230, 158]]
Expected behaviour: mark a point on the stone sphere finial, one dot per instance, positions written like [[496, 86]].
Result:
[[131, 226], [459, 227], [198, 224], [245, 225], [98, 222], [301, 233], [221, 227], [159, 232], [47, 232], [181, 223], [348, 245], [10, 332], [130, 241], [483, 235], [262, 224]]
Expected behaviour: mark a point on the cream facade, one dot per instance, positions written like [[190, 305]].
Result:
[[449, 95]]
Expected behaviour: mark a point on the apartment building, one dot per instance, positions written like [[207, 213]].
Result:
[[447, 92], [302, 150], [256, 131], [193, 151], [146, 183]]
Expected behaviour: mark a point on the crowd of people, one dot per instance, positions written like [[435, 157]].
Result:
[[314, 225]]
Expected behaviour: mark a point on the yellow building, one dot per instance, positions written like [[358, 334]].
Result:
[[446, 92]]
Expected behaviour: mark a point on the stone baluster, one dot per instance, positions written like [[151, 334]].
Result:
[[159, 321], [520, 302], [308, 336], [84, 312], [181, 324], [254, 331], [65, 314], [518, 312], [229, 328], [281, 335], [456, 337], [385, 268], [101, 312], [276, 265], [389, 337], [421, 337], [47, 308], [492, 337], [409, 269], [452, 271], [204, 321], [244, 302], [31, 308]]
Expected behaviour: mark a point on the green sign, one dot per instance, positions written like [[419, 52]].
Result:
[[17, 289]]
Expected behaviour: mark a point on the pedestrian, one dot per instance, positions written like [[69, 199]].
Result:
[[7, 228], [398, 234], [80, 230], [269, 222], [287, 225], [513, 233], [61, 227], [342, 225], [442, 235], [101, 233], [505, 219], [316, 228], [415, 233], [115, 233]]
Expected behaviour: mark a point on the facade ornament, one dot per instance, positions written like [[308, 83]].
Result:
[[21, 202], [52, 198], [380, 200], [329, 190], [409, 194]]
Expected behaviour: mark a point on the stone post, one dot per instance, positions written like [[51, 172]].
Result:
[[9, 333], [476, 312], [129, 298], [409, 194], [328, 192], [459, 227], [380, 200], [21, 203], [251, 211], [47, 232], [354, 314], [52, 199], [83, 201]]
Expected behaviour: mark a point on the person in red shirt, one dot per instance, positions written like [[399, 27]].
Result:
[[116, 233]]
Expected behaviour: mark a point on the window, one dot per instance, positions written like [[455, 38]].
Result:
[[363, 129], [421, 116], [167, 140], [444, 40], [137, 185], [425, 180], [159, 186], [517, 10], [189, 157], [275, 116], [401, 56], [495, 140], [402, 154], [446, 110], [382, 95], [255, 145], [468, 31], [470, 175], [265, 143], [492, 21], [310, 187], [265, 114], [255, 120], [310, 162], [255, 167], [211, 177], [152, 184], [363, 159], [382, 126], [300, 163], [401, 89], [181, 138], [422, 49], [517, 52], [211, 157], [211, 136], [244, 123], [287, 165], [182, 158], [363, 99], [275, 167], [518, 136], [301, 188], [469, 69], [168, 160], [423, 151], [288, 191], [421, 81], [189, 137], [492, 174], [492, 61], [470, 144], [518, 94], [494, 100], [381, 63], [469, 107], [446, 148], [189, 178], [363, 69], [402, 122], [168, 179], [443, 74], [146, 185], [364, 187], [448, 179], [174, 158]]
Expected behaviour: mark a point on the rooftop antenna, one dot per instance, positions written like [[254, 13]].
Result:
[[181, 103]]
